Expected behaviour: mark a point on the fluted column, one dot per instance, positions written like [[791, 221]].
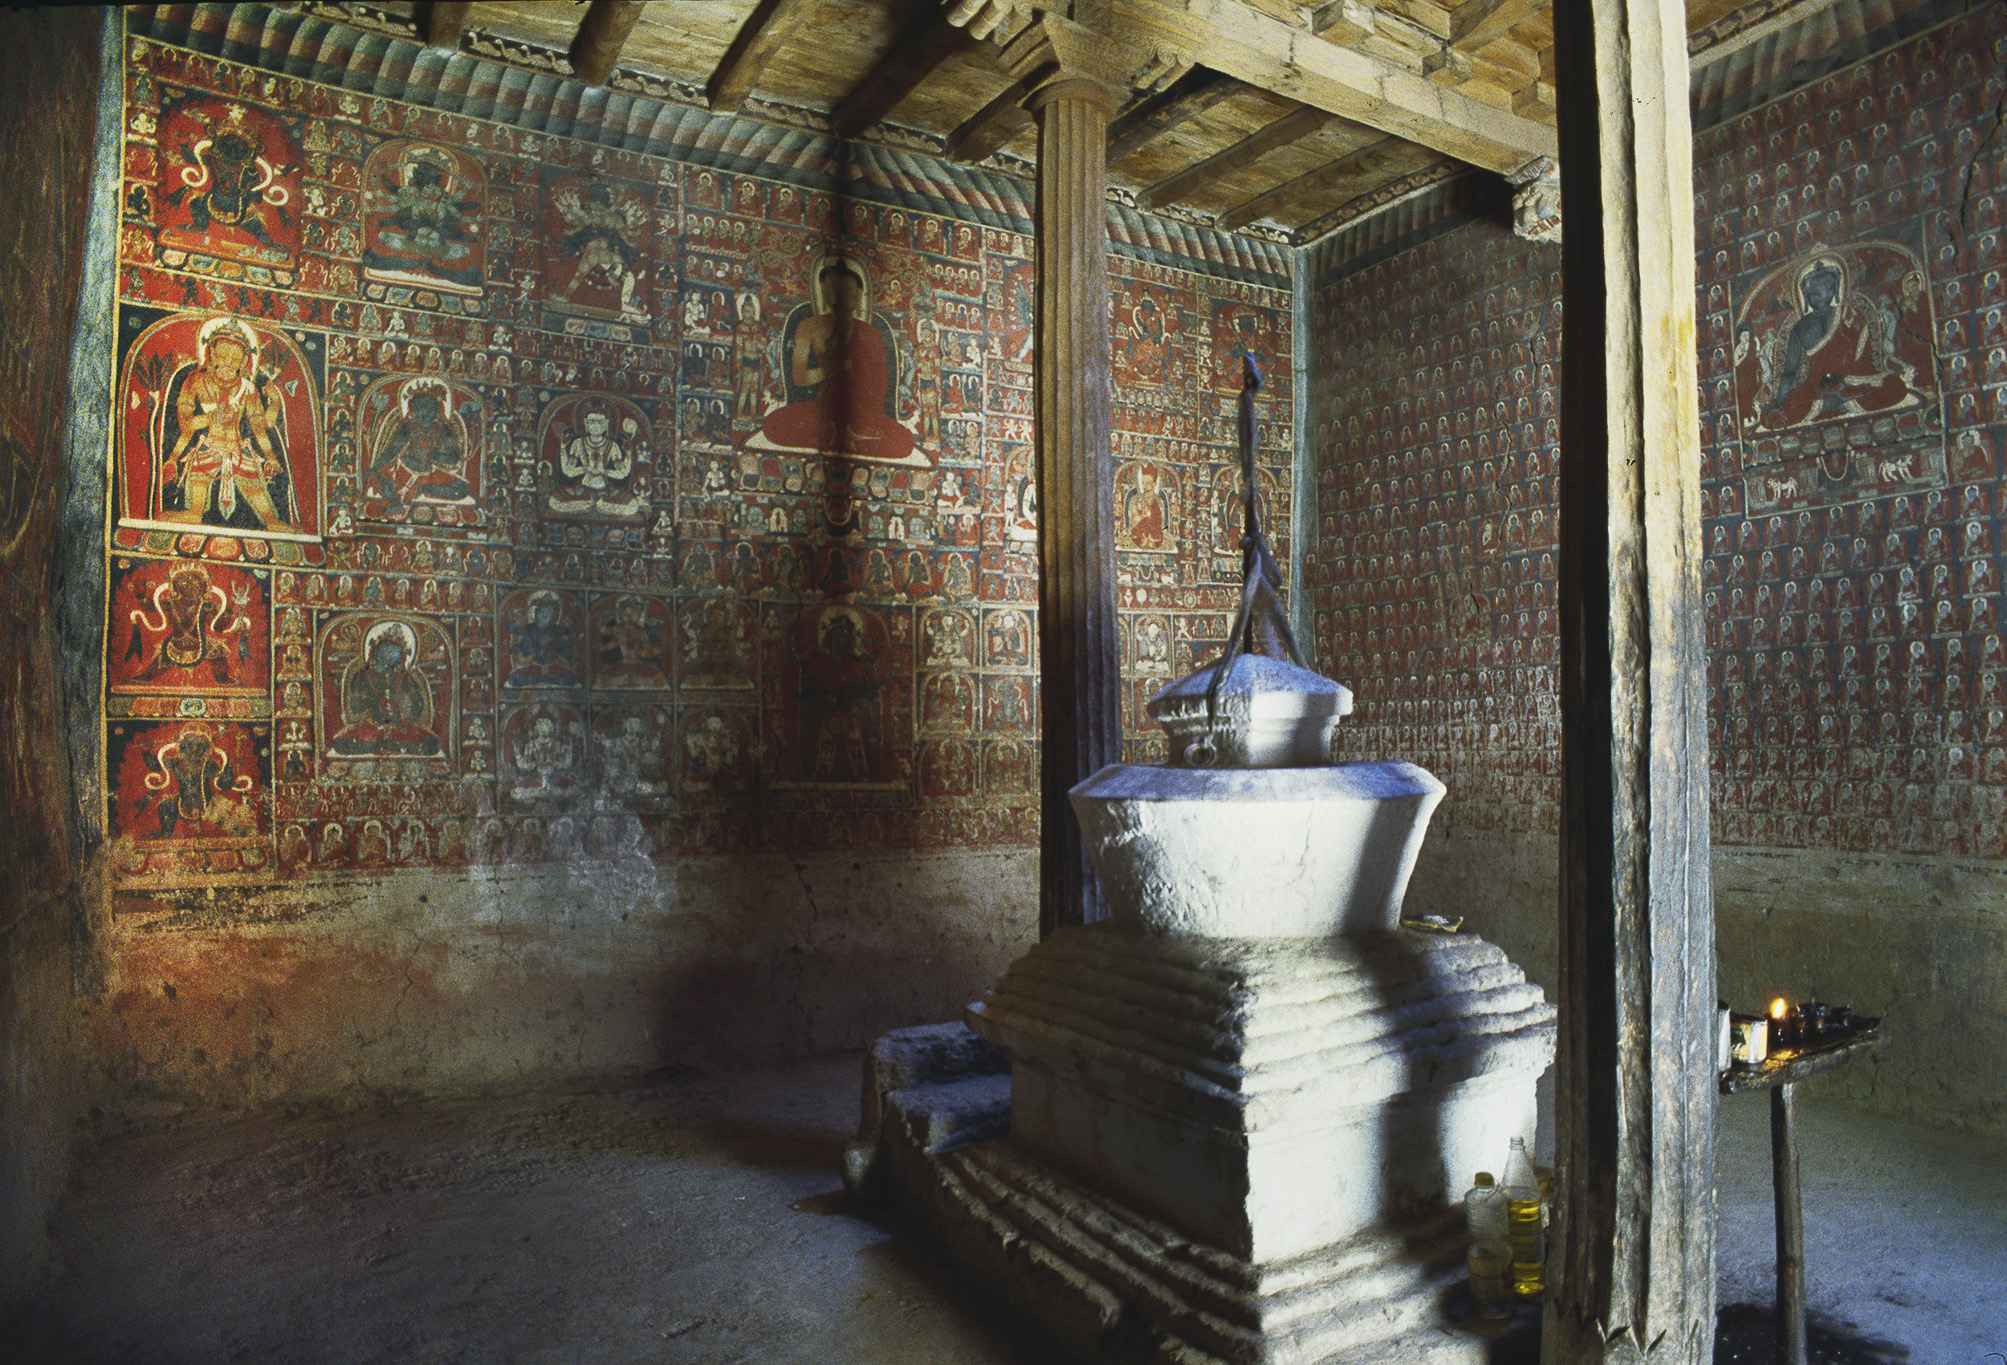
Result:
[[1631, 1273], [1080, 657]]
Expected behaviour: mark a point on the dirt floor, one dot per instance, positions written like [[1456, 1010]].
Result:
[[701, 1219], [696, 1220]]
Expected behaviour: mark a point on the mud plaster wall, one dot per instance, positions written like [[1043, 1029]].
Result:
[[1853, 521], [51, 62], [571, 578]]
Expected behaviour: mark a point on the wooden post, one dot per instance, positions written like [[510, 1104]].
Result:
[[1079, 665], [1790, 1225], [1631, 1271]]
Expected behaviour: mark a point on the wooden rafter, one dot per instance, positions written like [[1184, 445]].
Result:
[[1150, 118], [1535, 100], [766, 31], [1360, 161], [1245, 41], [1475, 23], [601, 34], [990, 127], [912, 59], [445, 22], [1344, 21], [1292, 127]]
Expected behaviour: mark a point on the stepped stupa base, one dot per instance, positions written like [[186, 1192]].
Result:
[[1108, 1283]]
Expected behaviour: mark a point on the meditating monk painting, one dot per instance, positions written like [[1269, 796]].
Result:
[[840, 365]]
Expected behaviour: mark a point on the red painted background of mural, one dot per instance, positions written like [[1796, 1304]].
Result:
[[637, 504]]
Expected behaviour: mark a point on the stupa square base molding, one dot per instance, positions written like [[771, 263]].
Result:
[[1268, 1096], [1220, 1150]]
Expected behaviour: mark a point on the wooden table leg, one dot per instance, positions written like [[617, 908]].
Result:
[[1790, 1226]]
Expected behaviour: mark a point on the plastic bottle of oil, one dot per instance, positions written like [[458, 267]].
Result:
[[1490, 1255], [1527, 1228]]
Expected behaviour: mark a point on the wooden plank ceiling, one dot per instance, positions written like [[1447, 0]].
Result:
[[1267, 116]]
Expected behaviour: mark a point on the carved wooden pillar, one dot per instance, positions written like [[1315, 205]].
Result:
[[1631, 1271], [1080, 655]]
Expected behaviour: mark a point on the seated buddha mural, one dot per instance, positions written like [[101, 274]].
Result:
[[840, 370]]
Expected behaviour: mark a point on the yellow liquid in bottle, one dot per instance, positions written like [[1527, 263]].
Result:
[[1529, 1248]]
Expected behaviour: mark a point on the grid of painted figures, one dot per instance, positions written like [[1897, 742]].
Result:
[[1853, 367], [485, 496]]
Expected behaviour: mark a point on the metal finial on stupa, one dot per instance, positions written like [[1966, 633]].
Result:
[[1258, 705]]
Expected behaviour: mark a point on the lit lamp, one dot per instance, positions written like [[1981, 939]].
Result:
[[1783, 1022]]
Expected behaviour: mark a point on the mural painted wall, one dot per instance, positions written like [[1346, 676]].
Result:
[[1432, 589], [593, 500], [1853, 407], [484, 498]]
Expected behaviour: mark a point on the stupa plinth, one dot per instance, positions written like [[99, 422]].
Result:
[[1240, 1110]]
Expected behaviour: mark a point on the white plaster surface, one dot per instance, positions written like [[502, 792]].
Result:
[[1269, 1097], [1256, 853], [1269, 713]]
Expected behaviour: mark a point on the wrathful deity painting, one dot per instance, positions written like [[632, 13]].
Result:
[[228, 182], [187, 796], [598, 246], [841, 374], [219, 426], [422, 207], [181, 628], [422, 444]]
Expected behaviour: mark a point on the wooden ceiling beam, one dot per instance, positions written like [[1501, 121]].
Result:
[[912, 59], [1247, 43], [1344, 21], [601, 34], [766, 31], [446, 23], [1292, 127], [1150, 118], [1535, 100], [990, 127], [1475, 23], [1359, 161]]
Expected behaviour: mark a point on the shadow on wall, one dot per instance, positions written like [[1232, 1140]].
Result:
[[423, 983]]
